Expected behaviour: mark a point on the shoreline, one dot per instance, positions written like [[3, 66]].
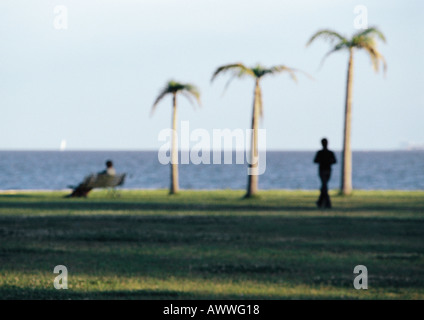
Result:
[[17, 191]]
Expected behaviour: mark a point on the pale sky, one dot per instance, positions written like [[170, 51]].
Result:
[[94, 83]]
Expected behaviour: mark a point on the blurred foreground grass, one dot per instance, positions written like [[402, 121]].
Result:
[[145, 244]]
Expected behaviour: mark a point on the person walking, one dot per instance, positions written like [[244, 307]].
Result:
[[325, 158]]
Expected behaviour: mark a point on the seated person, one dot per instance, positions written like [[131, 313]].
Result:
[[81, 190], [110, 170]]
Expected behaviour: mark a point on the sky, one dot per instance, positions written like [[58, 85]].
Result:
[[92, 85]]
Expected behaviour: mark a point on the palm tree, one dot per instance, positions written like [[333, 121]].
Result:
[[365, 39], [189, 91], [238, 70]]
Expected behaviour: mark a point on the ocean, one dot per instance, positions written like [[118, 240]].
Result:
[[56, 170]]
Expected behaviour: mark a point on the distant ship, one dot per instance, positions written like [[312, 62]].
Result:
[[412, 146]]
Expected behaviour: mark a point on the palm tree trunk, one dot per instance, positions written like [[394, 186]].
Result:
[[252, 183], [346, 184], [174, 149]]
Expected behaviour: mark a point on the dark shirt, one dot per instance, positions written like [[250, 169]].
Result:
[[325, 158]]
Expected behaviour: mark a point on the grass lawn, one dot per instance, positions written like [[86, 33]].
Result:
[[211, 245]]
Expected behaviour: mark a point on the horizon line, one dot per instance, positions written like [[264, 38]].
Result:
[[210, 150]]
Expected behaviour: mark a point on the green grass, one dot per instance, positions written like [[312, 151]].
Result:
[[211, 245]]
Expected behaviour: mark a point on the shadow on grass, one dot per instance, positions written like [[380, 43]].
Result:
[[227, 245], [314, 251], [16, 293], [190, 207], [16, 196]]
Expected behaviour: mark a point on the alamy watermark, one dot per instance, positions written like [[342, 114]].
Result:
[[361, 19], [361, 280], [216, 149], [60, 20], [61, 281]]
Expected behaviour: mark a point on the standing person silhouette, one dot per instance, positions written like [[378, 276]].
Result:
[[325, 158]]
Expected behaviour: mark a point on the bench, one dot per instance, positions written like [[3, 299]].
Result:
[[93, 181], [103, 181]]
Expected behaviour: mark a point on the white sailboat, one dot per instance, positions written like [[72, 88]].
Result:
[[62, 145]]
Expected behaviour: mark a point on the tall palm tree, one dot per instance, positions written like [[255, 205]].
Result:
[[239, 70], [189, 91], [365, 39]]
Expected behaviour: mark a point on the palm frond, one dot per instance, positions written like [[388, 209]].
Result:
[[174, 87], [328, 35], [282, 68], [190, 90], [161, 95], [376, 57], [338, 47], [364, 39], [238, 70], [259, 71], [372, 31], [188, 97], [232, 77]]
